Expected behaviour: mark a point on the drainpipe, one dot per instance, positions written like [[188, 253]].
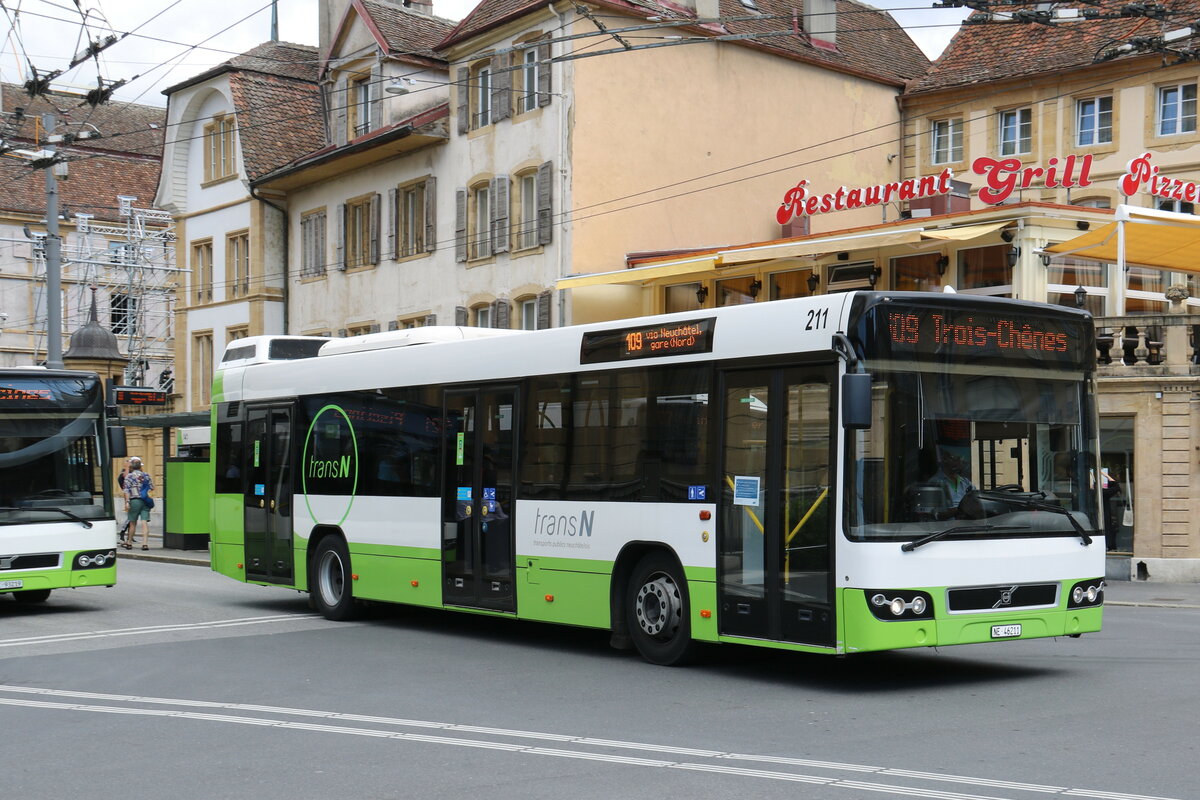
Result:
[[286, 238], [562, 174]]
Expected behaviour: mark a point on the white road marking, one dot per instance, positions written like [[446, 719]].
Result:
[[133, 705], [193, 626]]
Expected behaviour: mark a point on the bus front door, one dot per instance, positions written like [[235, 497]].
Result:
[[478, 564], [775, 508], [267, 514]]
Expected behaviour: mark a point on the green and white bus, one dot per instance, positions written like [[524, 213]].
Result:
[[57, 527], [771, 474]]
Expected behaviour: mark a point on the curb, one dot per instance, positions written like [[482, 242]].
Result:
[[164, 559]]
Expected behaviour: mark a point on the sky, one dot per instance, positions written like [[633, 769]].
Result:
[[172, 40]]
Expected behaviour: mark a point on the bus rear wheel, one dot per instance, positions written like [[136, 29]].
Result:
[[329, 581], [657, 612], [32, 596]]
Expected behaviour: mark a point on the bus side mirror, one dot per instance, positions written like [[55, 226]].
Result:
[[856, 401], [116, 443]]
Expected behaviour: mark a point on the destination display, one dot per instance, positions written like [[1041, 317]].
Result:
[[139, 396], [48, 393], [648, 341], [934, 333]]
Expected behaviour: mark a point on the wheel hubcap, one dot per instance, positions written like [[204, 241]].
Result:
[[331, 578], [658, 607]]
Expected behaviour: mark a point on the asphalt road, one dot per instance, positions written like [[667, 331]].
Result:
[[180, 683]]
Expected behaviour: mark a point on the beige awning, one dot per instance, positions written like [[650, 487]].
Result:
[[640, 274], [812, 247], [1152, 239], [964, 233]]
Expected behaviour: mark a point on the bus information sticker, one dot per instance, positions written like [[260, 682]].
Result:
[[697, 493], [459, 448], [745, 490], [463, 494], [257, 445], [260, 489]]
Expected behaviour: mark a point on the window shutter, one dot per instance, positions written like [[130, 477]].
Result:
[[375, 91], [460, 316], [430, 214], [341, 101], [501, 85], [374, 229], [342, 333], [500, 186], [545, 198], [464, 94], [501, 314], [393, 325], [543, 76], [340, 259], [460, 224], [431, 319], [543, 310], [393, 223]]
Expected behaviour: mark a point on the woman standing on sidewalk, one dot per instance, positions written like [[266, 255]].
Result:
[[135, 507]]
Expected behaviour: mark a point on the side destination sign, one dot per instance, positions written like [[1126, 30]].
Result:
[[648, 341]]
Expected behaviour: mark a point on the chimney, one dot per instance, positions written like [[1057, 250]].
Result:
[[419, 6], [820, 23]]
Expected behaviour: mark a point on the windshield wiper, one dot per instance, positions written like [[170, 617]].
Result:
[[908, 547], [62, 511], [1036, 505]]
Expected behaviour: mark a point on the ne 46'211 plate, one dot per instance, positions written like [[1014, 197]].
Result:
[[1006, 631], [4, 585]]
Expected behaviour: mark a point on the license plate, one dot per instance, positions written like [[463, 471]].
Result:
[[1005, 631], [11, 584]]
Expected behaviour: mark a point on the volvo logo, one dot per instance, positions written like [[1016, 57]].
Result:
[[1006, 596], [6, 562]]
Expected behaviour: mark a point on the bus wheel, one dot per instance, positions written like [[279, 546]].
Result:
[[657, 612], [329, 582], [32, 596]]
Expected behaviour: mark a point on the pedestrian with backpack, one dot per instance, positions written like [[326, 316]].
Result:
[[138, 503]]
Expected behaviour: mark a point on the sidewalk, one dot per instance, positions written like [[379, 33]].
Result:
[[1119, 593]]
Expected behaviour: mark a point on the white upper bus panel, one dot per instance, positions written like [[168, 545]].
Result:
[[410, 336], [261, 349]]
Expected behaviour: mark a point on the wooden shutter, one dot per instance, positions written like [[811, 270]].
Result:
[[341, 105], [375, 92], [464, 95], [343, 333], [543, 76], [431, 319], [460, 224], [543, 310], [373, 224], [430, 214], [393, 227], [545, 203], [393, 325], [501, 314], [501, 86], [460, 316], [340, 259], [500, 193]]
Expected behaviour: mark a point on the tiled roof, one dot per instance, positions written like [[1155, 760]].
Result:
[[996, 51], [283, 59], [869, 41], [93, 186], [278, 119], [124, 127], [408, 32]]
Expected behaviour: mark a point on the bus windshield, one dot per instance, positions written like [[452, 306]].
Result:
[[50, 467], [960, 454]]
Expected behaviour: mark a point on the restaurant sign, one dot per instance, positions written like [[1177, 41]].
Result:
[[1001, 177]]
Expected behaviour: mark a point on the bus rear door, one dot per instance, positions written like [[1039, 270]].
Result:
[[775, 513], [477, 491], [268, 494]]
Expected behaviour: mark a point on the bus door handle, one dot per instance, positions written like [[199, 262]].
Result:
[[261, 503], [272, 503]]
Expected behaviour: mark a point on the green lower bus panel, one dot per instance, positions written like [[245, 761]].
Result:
[[865, 633], [228, 559], [388, 579], [570, 598]]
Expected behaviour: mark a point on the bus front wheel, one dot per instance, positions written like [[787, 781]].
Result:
[[657, 613], [329, 582], [32, 596]]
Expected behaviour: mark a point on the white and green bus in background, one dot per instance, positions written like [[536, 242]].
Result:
[[838, 474], [57, 526]]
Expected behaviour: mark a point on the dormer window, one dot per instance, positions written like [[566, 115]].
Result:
[[219, 154], [359, 101]]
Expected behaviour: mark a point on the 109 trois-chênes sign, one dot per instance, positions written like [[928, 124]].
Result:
[[1001, 177]]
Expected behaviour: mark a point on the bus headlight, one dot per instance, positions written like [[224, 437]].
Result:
[[1087, 593], [893, 605], [95, 559]]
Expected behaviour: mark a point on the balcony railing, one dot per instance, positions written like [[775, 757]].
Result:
[[1148, 344]]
